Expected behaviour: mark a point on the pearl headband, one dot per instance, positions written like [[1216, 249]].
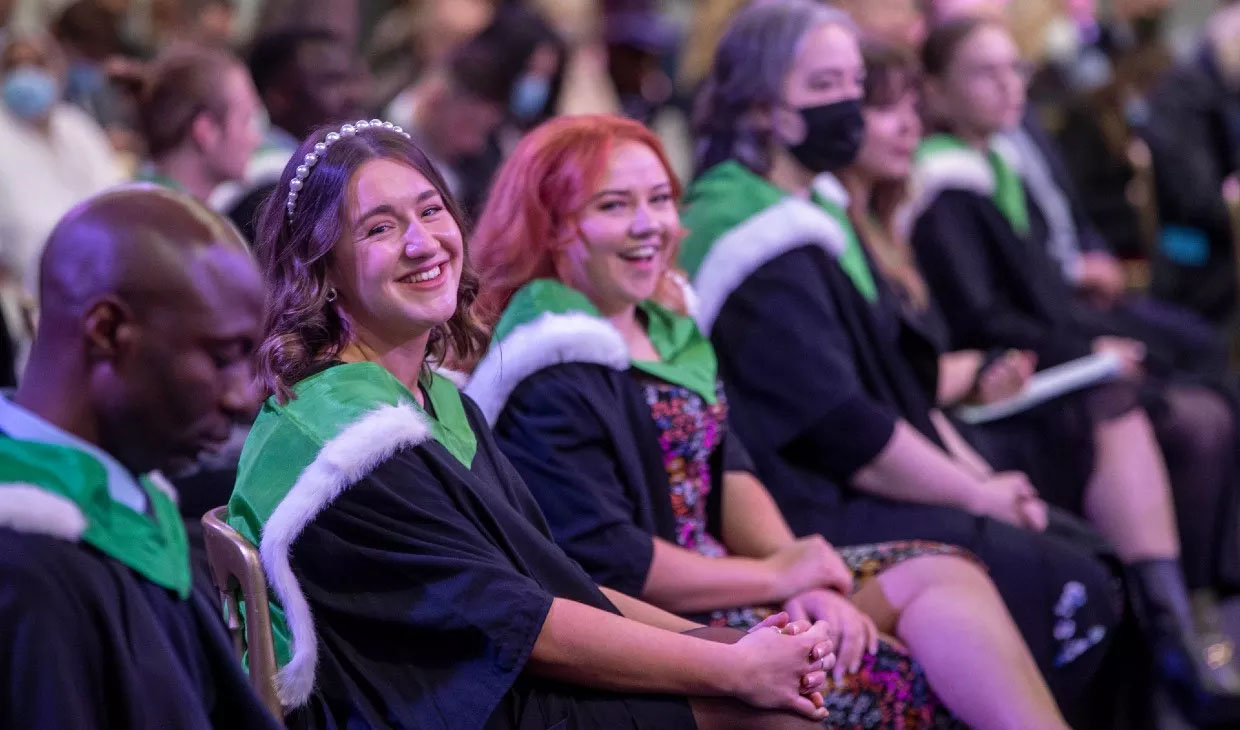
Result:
[[312, 158]]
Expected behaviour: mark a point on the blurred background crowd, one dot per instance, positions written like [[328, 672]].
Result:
[[211, 96]]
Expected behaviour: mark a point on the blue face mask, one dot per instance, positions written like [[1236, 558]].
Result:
[[29, 91], [529, 96], [85, 80]]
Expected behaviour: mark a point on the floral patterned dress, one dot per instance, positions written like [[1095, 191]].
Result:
[[890, 690]]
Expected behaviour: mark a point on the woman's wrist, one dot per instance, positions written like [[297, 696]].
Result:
[[774, 582], [717, 670]]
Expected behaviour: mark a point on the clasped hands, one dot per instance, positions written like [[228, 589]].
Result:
[[777, 644], [813, 584]]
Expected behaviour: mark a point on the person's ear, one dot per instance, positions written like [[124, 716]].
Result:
[[205, 131], [109, 329]]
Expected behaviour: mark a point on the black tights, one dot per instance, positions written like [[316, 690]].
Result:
[[1197, 433]]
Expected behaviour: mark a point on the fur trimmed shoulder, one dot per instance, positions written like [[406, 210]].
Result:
[[342, 462], [456, 377], [550, 339], [742, 250], [32, 510], [160, 482], [948, 170]]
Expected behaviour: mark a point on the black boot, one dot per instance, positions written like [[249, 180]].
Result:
[[1196, 667]]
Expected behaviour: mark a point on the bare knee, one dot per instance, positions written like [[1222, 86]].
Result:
[[904, 582]]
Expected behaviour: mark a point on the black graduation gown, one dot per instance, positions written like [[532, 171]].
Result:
[[590, 426], [87, 643], [816, 378], [1193, 132], [8, 355], [429, 583], [1001, 289], [1179, 338], [996, 288], [1062, 426]]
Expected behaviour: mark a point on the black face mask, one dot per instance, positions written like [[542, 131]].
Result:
[[833, 135]]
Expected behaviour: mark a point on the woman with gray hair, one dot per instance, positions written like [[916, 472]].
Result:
[[830, 389]]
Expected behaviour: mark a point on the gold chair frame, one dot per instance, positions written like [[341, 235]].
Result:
[[237, 569]]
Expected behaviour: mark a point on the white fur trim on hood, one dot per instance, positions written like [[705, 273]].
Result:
[[31, 509], [342, 462], [789, 224], [550, 339], [955, 169], [160, 482], [830, 189]]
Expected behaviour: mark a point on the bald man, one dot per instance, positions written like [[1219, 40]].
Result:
[[151, 308]]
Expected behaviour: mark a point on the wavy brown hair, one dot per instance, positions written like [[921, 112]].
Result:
[[890, 75], [303, 330]]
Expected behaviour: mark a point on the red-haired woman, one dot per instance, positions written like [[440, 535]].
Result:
[[608, 403]]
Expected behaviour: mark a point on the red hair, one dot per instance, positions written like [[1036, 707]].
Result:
[[540, 190]]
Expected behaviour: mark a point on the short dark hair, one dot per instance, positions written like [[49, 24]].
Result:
[[89, 28], [302, 330], [274, 53], [472, 69], [514, 35], [183, 83]]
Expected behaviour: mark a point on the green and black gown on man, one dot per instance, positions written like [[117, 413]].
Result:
[[102, 626]]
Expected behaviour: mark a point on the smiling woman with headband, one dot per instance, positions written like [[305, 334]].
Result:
[[415, 583]]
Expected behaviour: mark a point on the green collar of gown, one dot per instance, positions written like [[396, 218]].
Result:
[[149, 174], [301, 455], [686, 358], [286, 439], [342, 394], [1004, 184], [728, 199], [69, 490]]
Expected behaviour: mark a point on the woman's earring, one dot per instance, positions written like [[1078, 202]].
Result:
[[331, 293]]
